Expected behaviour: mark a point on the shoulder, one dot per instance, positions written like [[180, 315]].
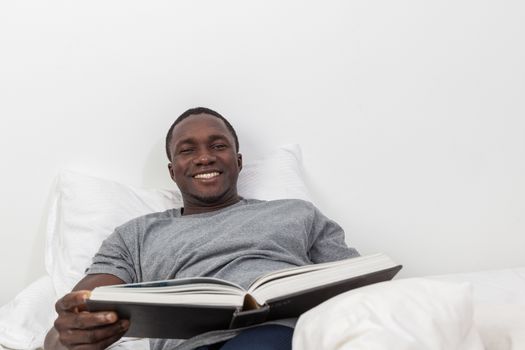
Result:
[[143, 221]]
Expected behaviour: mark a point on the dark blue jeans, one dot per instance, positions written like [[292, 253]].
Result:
[[267, 337]]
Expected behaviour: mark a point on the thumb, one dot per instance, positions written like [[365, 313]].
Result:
[[73, 302]]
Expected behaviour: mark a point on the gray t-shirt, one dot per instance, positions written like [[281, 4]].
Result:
[[238, 243]]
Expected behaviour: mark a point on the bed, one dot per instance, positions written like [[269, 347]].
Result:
[[480, 310]]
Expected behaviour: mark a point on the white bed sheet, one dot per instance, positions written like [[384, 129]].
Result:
[[499, 306], [502, 286]]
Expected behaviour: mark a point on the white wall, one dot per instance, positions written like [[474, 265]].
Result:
[[410, 113]]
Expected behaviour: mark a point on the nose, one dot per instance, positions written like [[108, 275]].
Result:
[[204, 157]]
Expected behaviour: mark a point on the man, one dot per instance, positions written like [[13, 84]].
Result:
[[216, 234]]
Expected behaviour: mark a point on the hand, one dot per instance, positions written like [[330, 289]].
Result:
[[80, 329]]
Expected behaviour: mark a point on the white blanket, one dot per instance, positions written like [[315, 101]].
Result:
[[445, 312]]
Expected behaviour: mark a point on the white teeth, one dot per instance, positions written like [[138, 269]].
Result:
[[206, 175]]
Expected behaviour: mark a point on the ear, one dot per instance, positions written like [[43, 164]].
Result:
[[172, 173], [239, 161]]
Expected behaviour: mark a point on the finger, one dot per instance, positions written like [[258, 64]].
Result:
[[72, 301], [84, 320], [100, 345], [95, 336]]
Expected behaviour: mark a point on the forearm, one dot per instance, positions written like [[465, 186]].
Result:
[[52, 342]]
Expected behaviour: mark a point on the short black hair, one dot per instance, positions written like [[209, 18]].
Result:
[[194, 111]]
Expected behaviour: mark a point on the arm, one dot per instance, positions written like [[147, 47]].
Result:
[[76, 328], [327, 240]]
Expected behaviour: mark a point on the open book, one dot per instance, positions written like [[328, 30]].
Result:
[[182, 308]]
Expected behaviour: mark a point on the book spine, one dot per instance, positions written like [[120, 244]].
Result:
[[249, 317]]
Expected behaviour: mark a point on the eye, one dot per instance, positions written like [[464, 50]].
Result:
[[186, 150], [219, 146]]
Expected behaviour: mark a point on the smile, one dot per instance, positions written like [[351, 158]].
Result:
[[206, 175]]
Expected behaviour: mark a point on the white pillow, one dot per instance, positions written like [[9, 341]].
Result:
[[409, 314], [279, 175], [86, 209], [25, 320]]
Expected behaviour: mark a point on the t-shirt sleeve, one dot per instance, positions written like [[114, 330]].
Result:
[[114, 258], [327, 240]]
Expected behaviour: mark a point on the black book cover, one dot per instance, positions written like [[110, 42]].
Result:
[[155, 320]]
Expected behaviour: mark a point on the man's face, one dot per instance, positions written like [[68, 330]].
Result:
[[204, 162]]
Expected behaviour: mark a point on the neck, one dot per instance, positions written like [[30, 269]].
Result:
[[199, 208]]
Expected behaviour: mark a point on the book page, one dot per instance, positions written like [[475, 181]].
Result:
[[305, 269], [203, 299], [174, 285], [272, 288]]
